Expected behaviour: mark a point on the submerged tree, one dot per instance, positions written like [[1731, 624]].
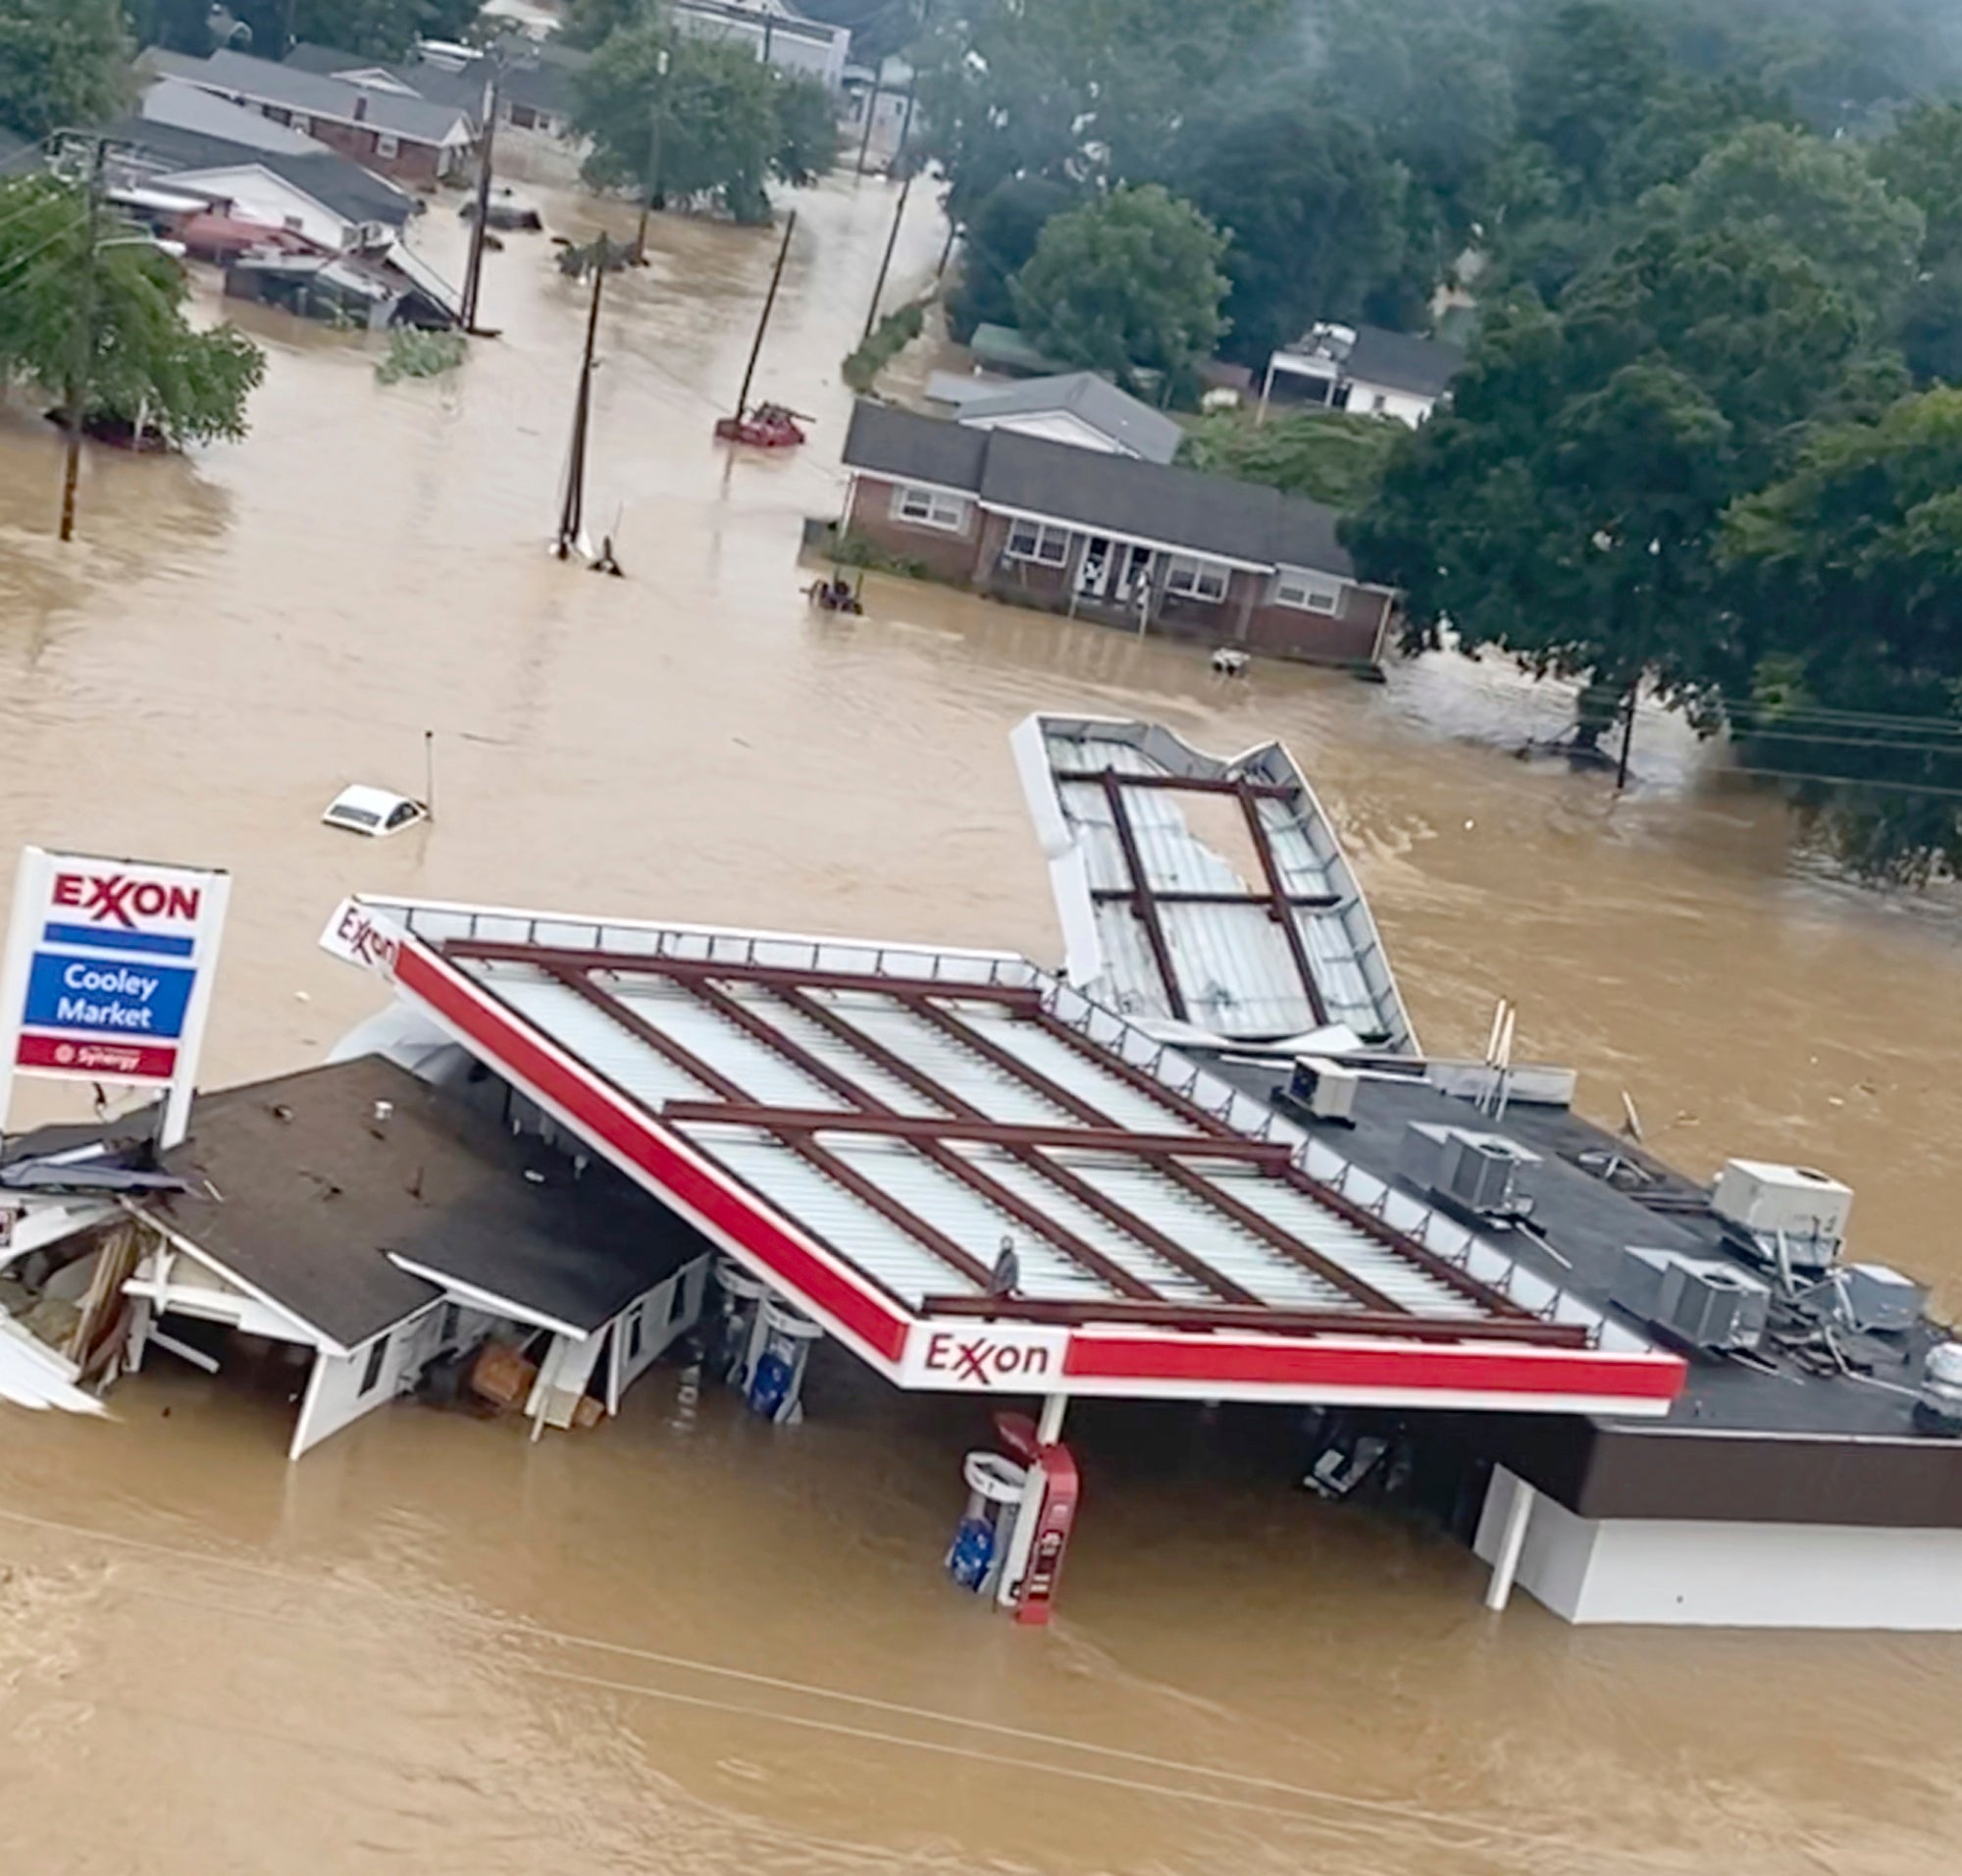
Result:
[[680, 115], [1851, 567], [1127, 283], [147, 367]]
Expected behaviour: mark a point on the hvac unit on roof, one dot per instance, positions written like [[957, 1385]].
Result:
[[1789, 1212], [1698, 1300], [1468, 1169], [1323, 1090]]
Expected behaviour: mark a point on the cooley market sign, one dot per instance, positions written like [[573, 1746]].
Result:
[[107, 973]]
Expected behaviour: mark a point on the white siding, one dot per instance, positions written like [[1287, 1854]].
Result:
[[258, 195], [1381, 401]]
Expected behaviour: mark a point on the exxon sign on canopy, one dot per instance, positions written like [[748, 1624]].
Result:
[[107, 973]]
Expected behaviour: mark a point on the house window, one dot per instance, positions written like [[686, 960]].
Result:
[[1379, 403], [633, 1332], [1196, 579], [1037, 540], [279, 113], [372, 1374], [387, 145], [930, 508], [524, 116], [301, 122], [294, 224], [1306, 592], [451, 1315]]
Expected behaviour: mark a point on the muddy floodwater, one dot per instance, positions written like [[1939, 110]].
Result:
[[687, 1642]]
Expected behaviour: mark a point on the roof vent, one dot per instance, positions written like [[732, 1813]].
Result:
[[1698, 1300], [1469, 1171]]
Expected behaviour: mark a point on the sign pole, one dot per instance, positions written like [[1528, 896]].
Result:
[[184, 1085], [31, 884]]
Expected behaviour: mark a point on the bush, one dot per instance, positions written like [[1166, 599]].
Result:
[[413, 353], [893, 335]]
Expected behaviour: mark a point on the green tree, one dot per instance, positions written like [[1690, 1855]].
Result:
[[1591, 74], [1921, 162], [806, 128], [1129, 282], [372, 28], [1316, 220], [1852, 568], [149, 364], [997, 242], [62, 62], [1566, 508], [1818, 198], [590, 24], [722, 125], [1332, 457]]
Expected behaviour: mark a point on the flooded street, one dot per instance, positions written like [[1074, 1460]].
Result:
[[689, 1642]]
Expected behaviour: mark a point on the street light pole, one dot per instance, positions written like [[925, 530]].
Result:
[[83, 369]]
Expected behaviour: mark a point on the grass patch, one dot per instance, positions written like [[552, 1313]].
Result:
[[1336, 457]]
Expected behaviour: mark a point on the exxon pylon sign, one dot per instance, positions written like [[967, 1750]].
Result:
[[107, 973]]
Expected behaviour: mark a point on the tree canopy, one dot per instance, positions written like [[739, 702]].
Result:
[[681, 116], [62, 62], [1332, 457], [1128, 282], [149, 364]]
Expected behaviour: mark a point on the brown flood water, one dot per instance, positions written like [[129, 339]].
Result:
[[687, 1643]]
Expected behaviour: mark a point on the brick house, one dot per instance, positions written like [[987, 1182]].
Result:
[[384, 127], [1110, 537]]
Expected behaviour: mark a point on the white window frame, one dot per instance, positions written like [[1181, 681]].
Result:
[[921, 506], [302, 123], [1305, 591], [1192, 576], [387, 144], [1041, 536]]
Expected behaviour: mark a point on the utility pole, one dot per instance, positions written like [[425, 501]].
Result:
[[83, 370], [1628, 735], [473, 277], [885, 265], [871, 115], [764, 323], [653, 152], [573, 512]]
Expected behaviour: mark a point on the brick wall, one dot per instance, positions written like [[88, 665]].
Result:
[[942, 552], [1345, 638], [414, 165]]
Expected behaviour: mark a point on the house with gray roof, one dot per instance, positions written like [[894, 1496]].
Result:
[[1075, 407], [1367, 369], [387, 129], [1107, 536], [536, 92]]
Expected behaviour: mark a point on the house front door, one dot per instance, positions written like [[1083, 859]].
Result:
[[1135, 575], [1092, 573]]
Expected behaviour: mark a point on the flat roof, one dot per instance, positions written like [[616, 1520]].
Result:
[[868, 1125], [1160, 922]]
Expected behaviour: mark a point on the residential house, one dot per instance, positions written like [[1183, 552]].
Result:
[[877, 108], [536, 89], [778, 33], [387, 129], [333, 203], [1365, 369], [1111, 537], [1076, 407], [366, 1230]]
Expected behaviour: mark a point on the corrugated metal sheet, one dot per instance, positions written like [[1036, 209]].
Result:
[[1235, 969]]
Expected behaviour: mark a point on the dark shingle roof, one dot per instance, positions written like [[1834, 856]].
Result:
[[1403, 361], [333, 180], [1181, 508], [313, 1192], [538, 75], [896, 442]]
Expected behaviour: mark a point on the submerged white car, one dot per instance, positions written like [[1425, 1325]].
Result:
[[374, 811]]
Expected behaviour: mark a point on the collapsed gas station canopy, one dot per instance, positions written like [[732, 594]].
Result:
[[977, 1178]]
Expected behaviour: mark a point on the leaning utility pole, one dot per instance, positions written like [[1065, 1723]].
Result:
[[573, 511], [764, 323], [83, 370], [886, 264], [473, 278]]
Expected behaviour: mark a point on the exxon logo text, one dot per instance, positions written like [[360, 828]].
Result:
[[982, 1360], [113, 899], [366, 943]]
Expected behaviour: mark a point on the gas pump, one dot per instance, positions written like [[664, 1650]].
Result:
[[780, 1345], [1020, 1511], [740, 1318]]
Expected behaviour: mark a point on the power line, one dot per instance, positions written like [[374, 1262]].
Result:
[[1844, 781], [21, 261]]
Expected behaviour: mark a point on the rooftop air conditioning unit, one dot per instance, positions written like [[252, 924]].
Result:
[[1698, 1300], [1324, 1090], [1469, 1169], [1785, 1210]]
